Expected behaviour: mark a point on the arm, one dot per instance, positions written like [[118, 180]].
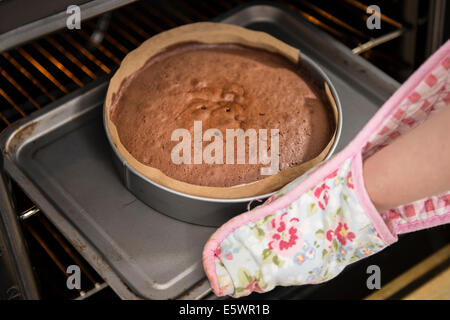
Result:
[[414, 166]]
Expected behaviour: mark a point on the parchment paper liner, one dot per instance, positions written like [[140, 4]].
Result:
[[206, 32]]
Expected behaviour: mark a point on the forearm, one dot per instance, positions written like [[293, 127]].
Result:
[[414, 166]]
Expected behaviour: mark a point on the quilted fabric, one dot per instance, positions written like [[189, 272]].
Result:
[[321, 222], [429, 96], [310, 240]]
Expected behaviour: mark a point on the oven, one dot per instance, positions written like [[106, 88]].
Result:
[[63, 205]]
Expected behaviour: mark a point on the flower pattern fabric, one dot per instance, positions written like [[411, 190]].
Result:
[[309, 241], [309, 231]]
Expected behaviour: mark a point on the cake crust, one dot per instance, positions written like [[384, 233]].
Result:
[[226, 86]]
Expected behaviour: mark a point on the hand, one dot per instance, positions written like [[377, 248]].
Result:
[[306, 233], [318, 224]]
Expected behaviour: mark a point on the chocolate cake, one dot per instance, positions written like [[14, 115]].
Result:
[[226, 86]]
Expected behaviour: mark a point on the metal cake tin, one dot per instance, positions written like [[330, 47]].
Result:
[[203, 210]]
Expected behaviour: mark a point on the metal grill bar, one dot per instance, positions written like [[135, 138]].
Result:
[[49, 252], [375, 42], [133, 26], [175, 13], [333, 19], [314, 20], [4, 119], [108, 38], [158, 14], [71, 57], [29, 213], [67, 249], [383, 17], [100, 47], [7, 98], [127, 36], [43, 70], [96, 289], [28, 75], [207, 7], [85, 52], [197, 14], [58, 64], [19, 88], [136, 14]]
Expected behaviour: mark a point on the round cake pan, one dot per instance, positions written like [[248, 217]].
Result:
[[201, 210]]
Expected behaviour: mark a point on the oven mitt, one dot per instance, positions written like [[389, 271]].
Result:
[[315, 226]]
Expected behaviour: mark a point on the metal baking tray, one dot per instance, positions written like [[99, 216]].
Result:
[[61, 158]]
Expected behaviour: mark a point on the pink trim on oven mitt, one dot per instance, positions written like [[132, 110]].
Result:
[[321, 222]]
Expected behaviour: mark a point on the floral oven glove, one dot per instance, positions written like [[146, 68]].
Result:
[[315, 226]]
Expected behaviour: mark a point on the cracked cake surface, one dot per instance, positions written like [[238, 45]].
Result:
[[225, 86]]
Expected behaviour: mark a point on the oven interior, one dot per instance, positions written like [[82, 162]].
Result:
[[39, 72]]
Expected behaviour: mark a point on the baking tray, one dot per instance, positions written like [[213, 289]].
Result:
[[60, 157]]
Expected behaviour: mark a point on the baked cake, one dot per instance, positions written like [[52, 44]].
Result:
[[226, 86]]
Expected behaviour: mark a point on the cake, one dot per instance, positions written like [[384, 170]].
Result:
[[225, 86]]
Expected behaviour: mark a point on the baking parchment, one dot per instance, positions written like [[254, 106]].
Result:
[[206, 32]]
